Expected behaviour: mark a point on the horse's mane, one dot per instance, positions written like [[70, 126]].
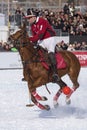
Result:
[[32, 47]]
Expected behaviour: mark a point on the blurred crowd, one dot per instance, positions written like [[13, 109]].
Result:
[[67, 20], [72, 47], [6, 47]]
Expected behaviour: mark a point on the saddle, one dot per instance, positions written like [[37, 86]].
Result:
[[61, 64]]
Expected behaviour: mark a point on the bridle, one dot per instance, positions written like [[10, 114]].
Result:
[[18, 41]]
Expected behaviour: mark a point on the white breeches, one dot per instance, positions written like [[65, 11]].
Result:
[[49, 44]]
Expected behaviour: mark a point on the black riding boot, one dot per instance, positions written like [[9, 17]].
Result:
[[54, 67]]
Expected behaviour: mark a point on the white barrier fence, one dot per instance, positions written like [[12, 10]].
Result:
[[10, 60], [4, 33]]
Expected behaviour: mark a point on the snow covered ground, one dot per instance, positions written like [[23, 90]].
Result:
[[14, 115]]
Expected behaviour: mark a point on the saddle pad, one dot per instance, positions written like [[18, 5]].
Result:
[[61, 64]]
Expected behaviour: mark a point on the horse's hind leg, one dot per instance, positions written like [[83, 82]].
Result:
[[75, 86], [74, 78], [62, 85]]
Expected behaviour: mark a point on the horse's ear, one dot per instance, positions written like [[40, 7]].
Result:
[[24, 24]]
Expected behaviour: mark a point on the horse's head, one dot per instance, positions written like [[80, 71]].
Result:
[[19, 37]]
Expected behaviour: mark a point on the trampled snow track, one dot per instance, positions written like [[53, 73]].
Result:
[[14, 115]]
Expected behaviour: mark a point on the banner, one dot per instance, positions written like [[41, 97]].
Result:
[[82, 56]]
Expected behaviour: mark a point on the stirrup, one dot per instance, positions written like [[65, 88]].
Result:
[[55, 78]]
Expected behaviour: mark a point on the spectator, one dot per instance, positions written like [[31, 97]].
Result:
[[66, 9], [70, 48], [64, 46], [6, 47], [83, 46], [18, 16]]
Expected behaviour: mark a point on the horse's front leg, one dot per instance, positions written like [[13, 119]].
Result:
[[35, 101], [38, 97], [55, 99]]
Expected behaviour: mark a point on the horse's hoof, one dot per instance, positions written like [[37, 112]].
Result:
[[68, 101], [55, 103], [44, 98], [47, 107]]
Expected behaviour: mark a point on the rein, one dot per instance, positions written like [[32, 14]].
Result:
[[37, 59]]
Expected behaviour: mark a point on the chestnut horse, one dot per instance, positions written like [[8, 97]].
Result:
[[37, 75]]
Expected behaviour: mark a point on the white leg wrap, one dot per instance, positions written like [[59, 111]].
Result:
[[68, 101], [55, 103]]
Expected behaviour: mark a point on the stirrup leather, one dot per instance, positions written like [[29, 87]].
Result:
[[55, 77]]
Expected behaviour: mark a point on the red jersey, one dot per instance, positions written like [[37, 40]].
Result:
[[41, 30]]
